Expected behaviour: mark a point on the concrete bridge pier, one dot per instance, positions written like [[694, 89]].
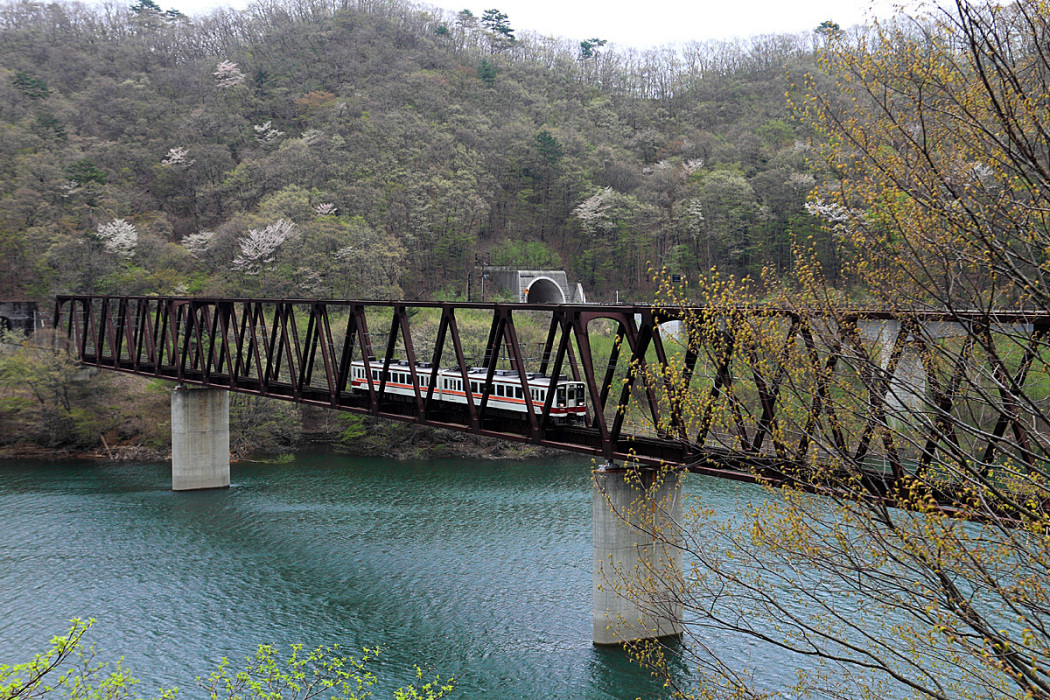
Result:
[[637, 555], [200, 438]]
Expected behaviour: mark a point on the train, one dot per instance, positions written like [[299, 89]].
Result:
[[505, 392]]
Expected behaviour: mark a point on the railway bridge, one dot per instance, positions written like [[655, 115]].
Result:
[[757, 394]]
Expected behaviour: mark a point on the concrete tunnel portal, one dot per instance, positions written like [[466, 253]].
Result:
[[544, 290]]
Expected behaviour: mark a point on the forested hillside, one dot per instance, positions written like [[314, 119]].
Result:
[[370, 149]]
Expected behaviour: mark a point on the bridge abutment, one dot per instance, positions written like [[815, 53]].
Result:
[[200, 439], [637, 555]]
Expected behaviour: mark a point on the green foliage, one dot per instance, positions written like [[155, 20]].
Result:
[[776, 133], [305, 674], [486, 71], [47, 124], [160, 386], [263, 426], [828, 29], [270, 676], [354, 427], [525, 254], [32, 87], [145, 6], [423, 165], [39, 383], [588, 48], [498, 24], [548, 147], [69, 669], [84, 171]]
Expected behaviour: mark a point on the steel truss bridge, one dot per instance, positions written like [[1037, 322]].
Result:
[[718, 393]]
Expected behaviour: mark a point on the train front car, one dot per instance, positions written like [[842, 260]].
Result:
[[570, 399]]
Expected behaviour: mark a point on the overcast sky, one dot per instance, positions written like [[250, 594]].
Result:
[[644, 23]]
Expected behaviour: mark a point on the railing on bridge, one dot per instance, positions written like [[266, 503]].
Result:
[[750, 394]]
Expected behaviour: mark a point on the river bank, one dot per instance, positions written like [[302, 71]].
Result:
[[60, 411], [384, 439]]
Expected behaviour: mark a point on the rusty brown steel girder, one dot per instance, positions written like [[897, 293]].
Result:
[[302, 350], [258, 346]]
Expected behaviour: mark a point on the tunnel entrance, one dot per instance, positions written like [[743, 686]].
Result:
[[544, 290]]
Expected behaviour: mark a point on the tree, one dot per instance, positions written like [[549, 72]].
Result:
[[84, 171], [828, 29], [39, 387], [548, 147], [146, 6], [498, 25], [227, 75], [919, 564], [486, 72], [259, 248], [32, 87], [118, 237], [588, 48]]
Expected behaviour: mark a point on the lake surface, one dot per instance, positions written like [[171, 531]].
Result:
[[476, 569]]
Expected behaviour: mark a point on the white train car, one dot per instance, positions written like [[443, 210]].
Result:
[[505, 392]]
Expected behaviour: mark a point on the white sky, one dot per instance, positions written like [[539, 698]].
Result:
[[644, 23], [647, 23]]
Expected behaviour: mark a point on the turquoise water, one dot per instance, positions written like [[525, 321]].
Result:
[[481, 570]]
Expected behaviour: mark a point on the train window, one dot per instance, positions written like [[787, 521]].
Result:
[[499, 390], [517, 392]]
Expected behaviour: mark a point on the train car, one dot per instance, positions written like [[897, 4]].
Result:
[[505, 392]]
